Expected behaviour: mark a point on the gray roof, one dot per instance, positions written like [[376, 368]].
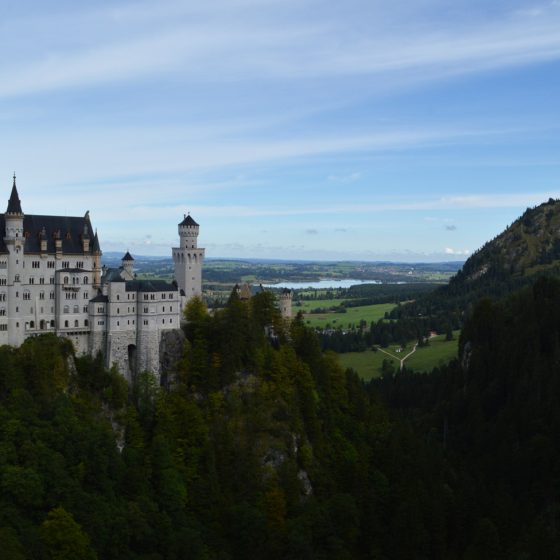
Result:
[[188, 221], [100, 299], [112, 275], [14, 204], [150, 286], [127, 257], [69, 229]]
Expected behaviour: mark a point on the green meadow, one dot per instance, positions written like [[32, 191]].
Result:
[[368, 364], [352, 315]]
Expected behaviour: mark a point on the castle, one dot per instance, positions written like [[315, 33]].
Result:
[[51, 281]]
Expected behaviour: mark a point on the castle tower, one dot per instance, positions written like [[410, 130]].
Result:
[[96, 251], [127, 263], [188, 259], [285, 301], [14, 239]]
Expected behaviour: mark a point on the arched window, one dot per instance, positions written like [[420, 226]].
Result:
[[86, 323], [66, 309], [66, 324], [66, 279], [31, 324], [86, 280], [76, 308], [76, 323], [52, 324]]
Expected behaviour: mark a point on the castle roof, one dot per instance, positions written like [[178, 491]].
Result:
[[68, 229], [188, 221], [14, 204], [150, 286], [95, 246], [112, 275], [100, 298], [127, 257]]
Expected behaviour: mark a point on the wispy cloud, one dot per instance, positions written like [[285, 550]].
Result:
[[210, 45]]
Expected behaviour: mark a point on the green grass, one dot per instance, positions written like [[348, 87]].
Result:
[[353, 315], [368, 364], [439, 352]]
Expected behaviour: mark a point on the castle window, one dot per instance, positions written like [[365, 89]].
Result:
[[52, 324], [17, 324], [35, 264], [51, 280], [80, 264], [86, 323], [3, 327], [118, 297], [31, 280], [100, 322], [152, 296], [66, 279], [66, 324], [163, 309], [51, 295], [86, 280], [146, 296], [162, 296], [66, 309], [76, 323], [26, 295], [76, 309], [163, 321], [85, 309], [65, 264], [170, 296], [145, 322], [171, 310], [118, 323], [17, 309], [42, 295], [32, 324], [3, 281], [41, 280], [50, 264], [118, 311], [100, 309], [16, 278], [146, 309], [2, 297], [86, 295], [2, 312]]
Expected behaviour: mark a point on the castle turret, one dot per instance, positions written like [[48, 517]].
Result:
[[96, 251], [127, 263], [14, 240], [14, 215], [188, 258], [285, 301]]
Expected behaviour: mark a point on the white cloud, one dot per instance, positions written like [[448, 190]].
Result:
[[459, 252]]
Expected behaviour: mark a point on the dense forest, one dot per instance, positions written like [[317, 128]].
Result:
[[261, 446]]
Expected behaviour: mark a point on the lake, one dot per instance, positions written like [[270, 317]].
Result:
[[322, 284]]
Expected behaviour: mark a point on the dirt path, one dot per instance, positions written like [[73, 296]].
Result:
[[402, 360]]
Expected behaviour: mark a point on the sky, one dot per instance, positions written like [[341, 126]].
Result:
[[292, 129]]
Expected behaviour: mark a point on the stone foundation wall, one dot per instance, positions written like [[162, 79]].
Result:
[[117, 352], [148, 351]]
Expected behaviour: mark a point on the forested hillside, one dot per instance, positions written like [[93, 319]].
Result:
[[262, 446], [496, 416], [524, 251]]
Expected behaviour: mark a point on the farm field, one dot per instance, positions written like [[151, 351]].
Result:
[[353, 315], [368, 364]]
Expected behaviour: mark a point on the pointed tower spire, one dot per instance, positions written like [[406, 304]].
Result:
[[14, 204]]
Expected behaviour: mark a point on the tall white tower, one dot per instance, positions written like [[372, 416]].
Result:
[[14, 240], [188, 259]]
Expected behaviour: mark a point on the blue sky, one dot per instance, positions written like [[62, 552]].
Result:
[[288, 128]]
